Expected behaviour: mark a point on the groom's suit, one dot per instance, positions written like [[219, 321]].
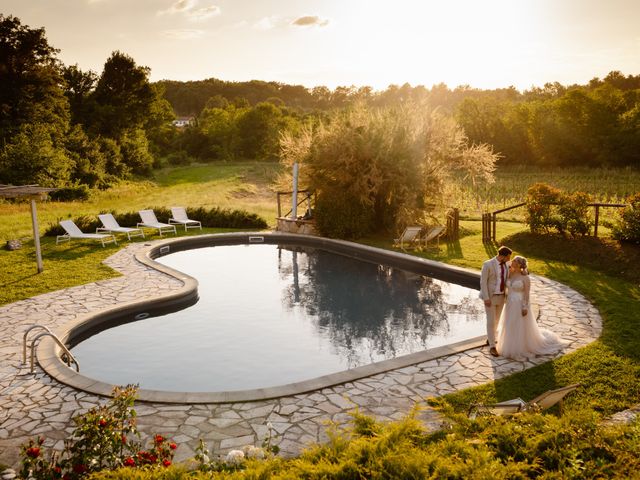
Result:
[[490, 289]]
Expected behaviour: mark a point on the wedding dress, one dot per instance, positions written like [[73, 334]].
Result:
[[519, 336]]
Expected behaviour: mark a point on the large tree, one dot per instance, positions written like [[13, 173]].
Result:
[[123, 95], [379, 169], [30, 80]]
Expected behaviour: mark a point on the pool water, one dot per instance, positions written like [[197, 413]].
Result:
[[271, 315]]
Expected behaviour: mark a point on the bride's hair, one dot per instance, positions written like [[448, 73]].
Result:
[[522, 263]]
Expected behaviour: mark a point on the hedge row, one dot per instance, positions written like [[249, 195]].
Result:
[[211, 218]]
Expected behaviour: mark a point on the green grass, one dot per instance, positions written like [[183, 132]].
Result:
[[602, 270], [242, 186]]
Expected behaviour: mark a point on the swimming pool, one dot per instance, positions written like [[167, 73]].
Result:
[[279, 314]]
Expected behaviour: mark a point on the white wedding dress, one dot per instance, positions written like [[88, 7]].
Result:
[[519, 337]]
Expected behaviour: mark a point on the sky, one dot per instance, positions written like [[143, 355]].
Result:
[[480, 43]]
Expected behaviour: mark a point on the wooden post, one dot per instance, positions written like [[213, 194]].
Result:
[[279, 208], [36, 235], [494, 221], [595, 228]]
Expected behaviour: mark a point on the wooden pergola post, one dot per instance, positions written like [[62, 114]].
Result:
[[32, 192], [36, 235]]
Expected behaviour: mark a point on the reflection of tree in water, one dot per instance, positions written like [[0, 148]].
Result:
[[365, 309]]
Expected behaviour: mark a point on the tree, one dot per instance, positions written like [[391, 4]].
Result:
[[29, 80], [377, 169], [123, 95], [78, 88], [32, 156]]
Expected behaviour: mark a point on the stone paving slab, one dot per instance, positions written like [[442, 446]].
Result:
[[36, 404]]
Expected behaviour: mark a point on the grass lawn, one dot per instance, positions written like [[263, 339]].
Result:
[[602, 270]]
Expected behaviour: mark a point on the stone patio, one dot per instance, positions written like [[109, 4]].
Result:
[[35, 404]]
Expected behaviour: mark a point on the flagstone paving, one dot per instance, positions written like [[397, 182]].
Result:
[[35, 404]]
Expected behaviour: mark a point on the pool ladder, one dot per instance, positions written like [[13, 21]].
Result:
[[67, 357]]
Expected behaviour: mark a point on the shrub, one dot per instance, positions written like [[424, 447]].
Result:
[[539, 205], [212, 218], [104, 438], [549, 208], [628, 227], [573, 214], [353, 221], [71, 194]]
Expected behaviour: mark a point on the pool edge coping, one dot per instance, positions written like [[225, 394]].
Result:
[[49, 356]]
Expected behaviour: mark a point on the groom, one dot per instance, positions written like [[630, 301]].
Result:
[[493, 280]]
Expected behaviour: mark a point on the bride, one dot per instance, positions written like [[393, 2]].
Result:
[[519, 336]]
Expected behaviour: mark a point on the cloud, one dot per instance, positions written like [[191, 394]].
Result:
[[275, 21], [179, 7], [310, 21], [183, 34], [190, 9]]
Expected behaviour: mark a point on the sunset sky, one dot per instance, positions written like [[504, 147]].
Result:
[[485, 44]]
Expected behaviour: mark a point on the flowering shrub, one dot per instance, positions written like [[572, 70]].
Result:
[[104, 438], [539, 205], [628, 227], [573, 214], [549, 208]]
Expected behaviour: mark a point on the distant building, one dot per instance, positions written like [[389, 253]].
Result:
[[183, 121]]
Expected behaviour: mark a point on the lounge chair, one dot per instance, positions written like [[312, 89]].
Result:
[[410, 236], [72, 231], [149, 220], [433, 233], [542, 402], [110, 224], [180, 218]]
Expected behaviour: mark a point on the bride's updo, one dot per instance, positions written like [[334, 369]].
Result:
[[522, 263]]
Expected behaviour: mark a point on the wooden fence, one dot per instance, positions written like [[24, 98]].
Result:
[[489, 220]]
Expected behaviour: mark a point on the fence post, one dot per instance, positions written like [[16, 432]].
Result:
[[595, 228], [494, 221]]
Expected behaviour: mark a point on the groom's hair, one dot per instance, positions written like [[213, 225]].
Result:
[[505, 251]]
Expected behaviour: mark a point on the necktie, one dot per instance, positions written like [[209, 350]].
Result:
[[502, 276]]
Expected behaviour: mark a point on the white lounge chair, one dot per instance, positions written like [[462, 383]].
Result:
[[180, 218], [72, 231], [434, 232], [111, 225], [543, 401], [149, 220], [410, 236]]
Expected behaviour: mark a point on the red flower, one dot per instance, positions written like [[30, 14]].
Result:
[[103, 422], [57, 469], [79, 468], [166, 463], [153, 458], [124, 439], [33, 452], [129, 462], [173, 446], [159, 439]]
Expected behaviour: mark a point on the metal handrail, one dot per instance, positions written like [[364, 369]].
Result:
[[48, 333], [24, 340]]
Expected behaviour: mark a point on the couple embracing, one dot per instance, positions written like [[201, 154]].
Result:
[[512, 330]]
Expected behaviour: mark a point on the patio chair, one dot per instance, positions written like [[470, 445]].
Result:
[[409, 237], [111, 225], [542, 402], [180, 218], [149, 220], [434, 232], [72, 231]]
